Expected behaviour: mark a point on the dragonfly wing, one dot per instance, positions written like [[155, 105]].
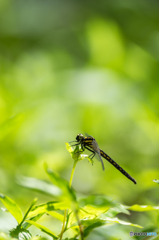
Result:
[[97, 151], [88, 135]]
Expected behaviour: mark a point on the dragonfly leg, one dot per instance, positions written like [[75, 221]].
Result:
[[93, 152], [75, 144], [78, 152], [91, 156], [72, 141], [82, 149]]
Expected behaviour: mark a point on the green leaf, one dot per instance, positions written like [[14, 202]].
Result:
[[91, 224], [71, 239], [43, 229], [39, 185], [48, 208], [20, 233], [27, 212], [37, 217], [92, 207], [12, 207], [97, 201], [92, 212], [142, 208], [69, 149], [112, 212], [94, 223], [116, 220], [88, 212], [24, 235], [56, 215], [77, 153], [39, 238], [68, 194], [89, 159]]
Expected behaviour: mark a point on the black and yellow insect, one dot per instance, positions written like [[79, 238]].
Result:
[[90, 144]]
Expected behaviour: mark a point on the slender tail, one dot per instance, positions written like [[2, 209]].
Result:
[[104, 155]]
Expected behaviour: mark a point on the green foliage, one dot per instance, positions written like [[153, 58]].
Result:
[[12, 207], [77, 154], [69, 67], [82, 216], [43, 229], [39, 185], [140, 208], [67, 193], [20, 233]]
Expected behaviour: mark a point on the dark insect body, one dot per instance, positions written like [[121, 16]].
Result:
[[90, 144]]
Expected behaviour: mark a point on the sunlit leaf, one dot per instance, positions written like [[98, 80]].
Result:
[[12, 207], [69, 148], [56, 215], [91, 208], [43, 229], [77, 153], [116, 220], [37, 217], [89, 159], [48, 208], [87, 212], [29, 209], [142, 208]]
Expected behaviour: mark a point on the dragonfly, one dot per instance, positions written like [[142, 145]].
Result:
[[91, 145]]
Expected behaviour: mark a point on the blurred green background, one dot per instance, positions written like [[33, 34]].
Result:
[[69, 67]]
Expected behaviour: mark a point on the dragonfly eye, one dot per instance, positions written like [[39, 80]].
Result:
[[79, 137]]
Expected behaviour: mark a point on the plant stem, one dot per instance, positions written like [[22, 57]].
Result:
[[66, 211], [79, 224], [72, 173]]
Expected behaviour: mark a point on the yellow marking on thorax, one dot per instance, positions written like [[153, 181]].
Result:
[[88, 141]]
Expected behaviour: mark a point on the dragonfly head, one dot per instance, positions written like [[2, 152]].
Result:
[[79, 137]]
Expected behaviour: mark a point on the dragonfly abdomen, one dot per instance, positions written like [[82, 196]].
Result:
[[109, 159]]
